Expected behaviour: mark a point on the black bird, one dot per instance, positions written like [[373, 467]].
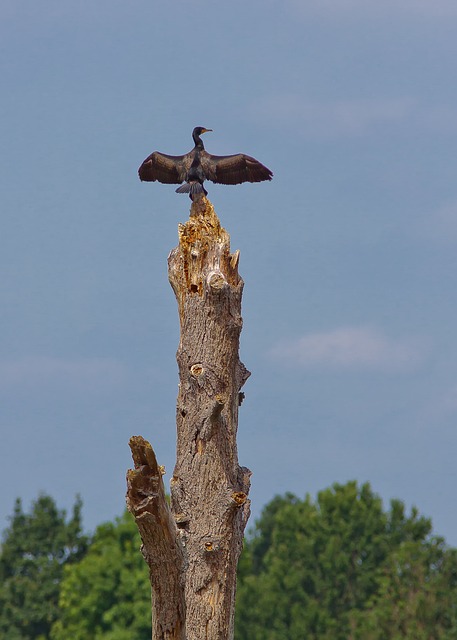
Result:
[[198, 165]]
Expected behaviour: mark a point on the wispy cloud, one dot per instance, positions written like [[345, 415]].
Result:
[[351, 348], [353, 117], [40, 370], [449, 400], [341, 117], [441, 224], [391, 8]]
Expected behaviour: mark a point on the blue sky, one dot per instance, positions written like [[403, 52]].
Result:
[[348, 255]]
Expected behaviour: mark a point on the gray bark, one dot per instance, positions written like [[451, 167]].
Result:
[[192, 548]]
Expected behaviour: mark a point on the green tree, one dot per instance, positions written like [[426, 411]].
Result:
[[35, 549], [107, 596], [324, 569], [417, 596]]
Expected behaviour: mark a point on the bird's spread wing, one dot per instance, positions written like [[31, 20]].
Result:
[[161, 167], [233, 169]]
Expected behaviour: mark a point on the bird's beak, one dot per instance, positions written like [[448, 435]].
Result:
[[205, 130]]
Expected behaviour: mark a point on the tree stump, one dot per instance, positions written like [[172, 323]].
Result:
[[192, 548]]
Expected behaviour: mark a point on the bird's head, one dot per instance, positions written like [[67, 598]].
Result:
[[199, 130], [196, 133]]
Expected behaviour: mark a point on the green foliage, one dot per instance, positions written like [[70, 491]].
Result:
[[35, 549], [107, 595], [342, 568], [417, 596]]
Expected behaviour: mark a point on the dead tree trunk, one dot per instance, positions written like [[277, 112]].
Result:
[[193, 548]]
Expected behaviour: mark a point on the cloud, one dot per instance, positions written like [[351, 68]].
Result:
[[441, 224], [351, 348], [388, 8], [330, 119], [449, 403], [351, 117], [41, 370]]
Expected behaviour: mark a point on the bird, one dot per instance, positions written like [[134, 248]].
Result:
[[193, 168]]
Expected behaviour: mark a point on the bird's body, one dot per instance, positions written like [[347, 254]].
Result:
[[198, 165]]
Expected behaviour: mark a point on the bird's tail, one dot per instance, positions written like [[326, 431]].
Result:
[[192, 188]]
